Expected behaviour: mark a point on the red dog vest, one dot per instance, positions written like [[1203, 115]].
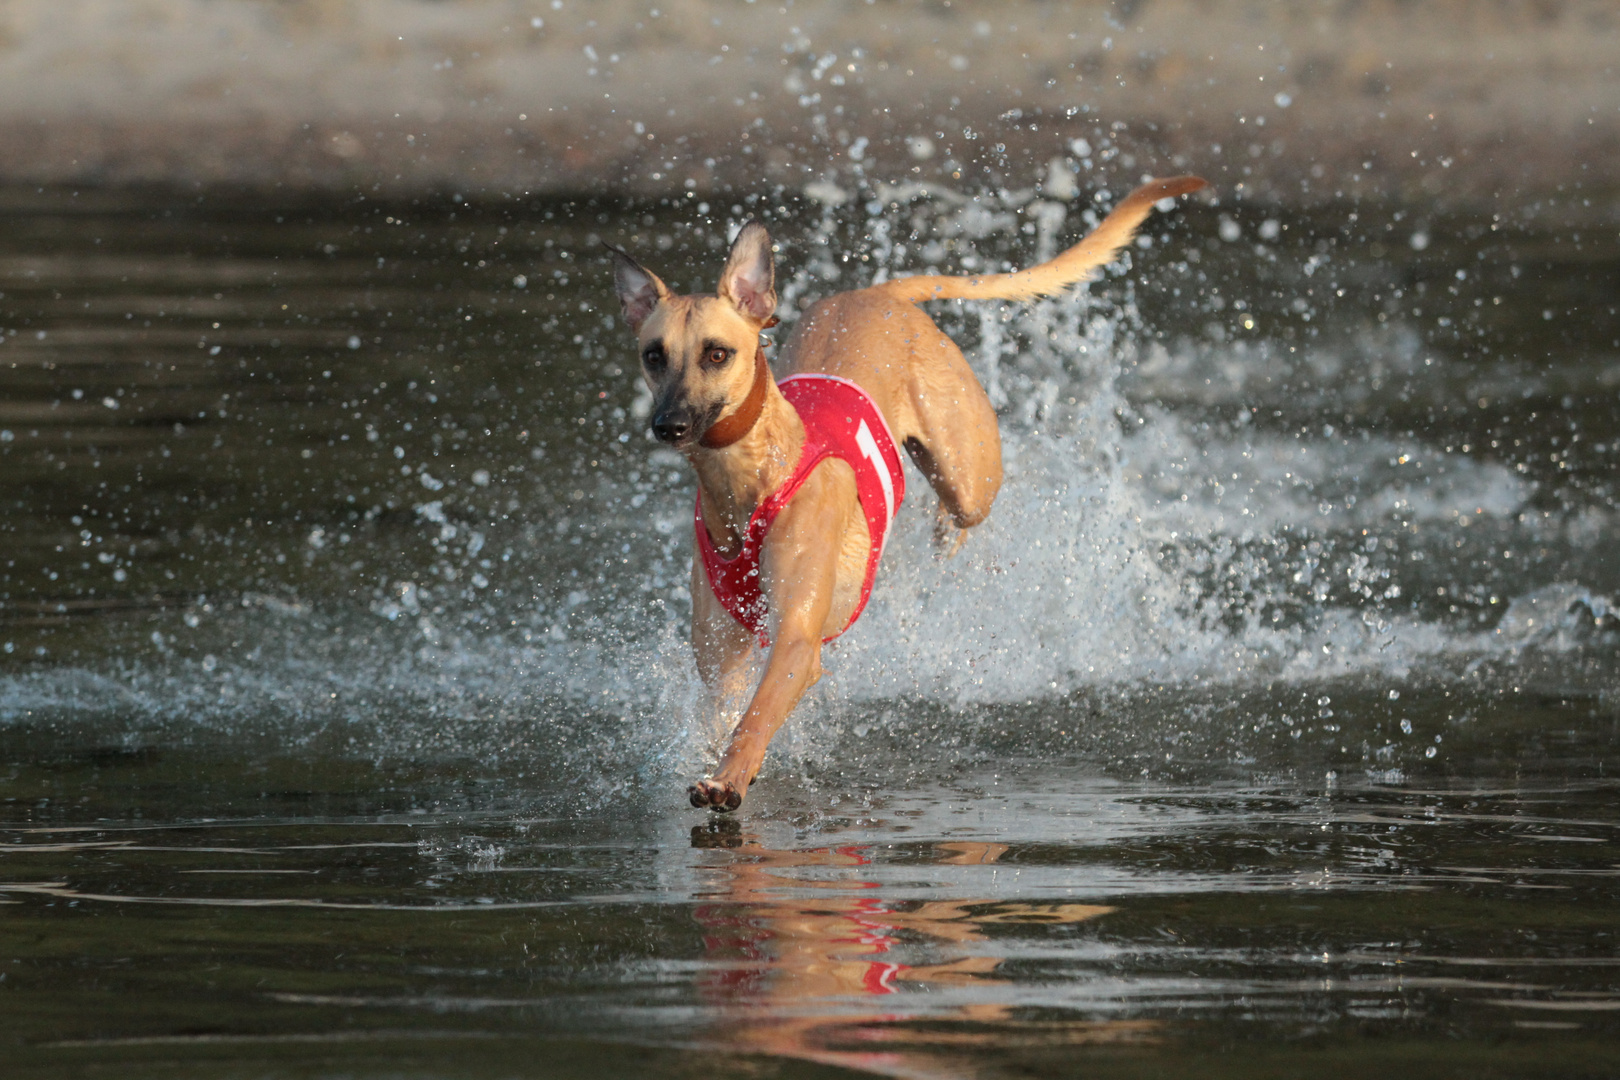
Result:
[[840, 421]]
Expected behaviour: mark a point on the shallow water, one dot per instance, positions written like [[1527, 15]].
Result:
[[1268, 725]]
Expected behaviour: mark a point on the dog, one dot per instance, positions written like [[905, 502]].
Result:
[[798, 482]]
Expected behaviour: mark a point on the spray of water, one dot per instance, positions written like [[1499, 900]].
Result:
[[1133, 546]]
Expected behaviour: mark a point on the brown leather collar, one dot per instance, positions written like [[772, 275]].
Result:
[[728, 429]]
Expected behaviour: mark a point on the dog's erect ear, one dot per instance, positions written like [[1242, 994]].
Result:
[[639, 289], [749, 279]]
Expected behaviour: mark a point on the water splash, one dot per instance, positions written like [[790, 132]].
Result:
[[1157, 528]]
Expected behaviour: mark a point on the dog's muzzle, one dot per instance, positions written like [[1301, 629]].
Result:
[[673, 427], [680, 425]]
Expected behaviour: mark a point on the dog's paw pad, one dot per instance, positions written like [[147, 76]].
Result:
[[714, 795]]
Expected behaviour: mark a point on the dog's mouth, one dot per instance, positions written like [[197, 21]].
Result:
[[680, 428]]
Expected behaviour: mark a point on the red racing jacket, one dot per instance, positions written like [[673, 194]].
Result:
[[840, 421]]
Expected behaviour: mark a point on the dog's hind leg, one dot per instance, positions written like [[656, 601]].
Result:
[[953, 437], [933, 402]]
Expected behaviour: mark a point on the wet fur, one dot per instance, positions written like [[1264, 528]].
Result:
[[698, 358]]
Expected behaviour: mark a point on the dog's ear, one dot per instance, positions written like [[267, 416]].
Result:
[[639, 289], [749, 279]]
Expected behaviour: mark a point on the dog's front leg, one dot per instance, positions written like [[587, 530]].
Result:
[[793, 667], [724, 650], [800, 571]]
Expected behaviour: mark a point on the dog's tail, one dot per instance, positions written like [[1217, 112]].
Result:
[[1074, 265]]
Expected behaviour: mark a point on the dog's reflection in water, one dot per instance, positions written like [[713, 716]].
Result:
[[839, 976]]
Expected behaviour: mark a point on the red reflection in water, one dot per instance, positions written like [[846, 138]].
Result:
[[794, 975]]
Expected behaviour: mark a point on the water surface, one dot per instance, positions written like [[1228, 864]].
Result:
[[345, 711]]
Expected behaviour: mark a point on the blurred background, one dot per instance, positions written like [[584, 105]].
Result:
[[1507, 105]]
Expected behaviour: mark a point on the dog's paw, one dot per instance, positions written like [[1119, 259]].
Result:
[[948, 536], [721, 796], [948, 541]]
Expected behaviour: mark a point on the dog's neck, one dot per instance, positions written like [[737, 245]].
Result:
[[735, 479]]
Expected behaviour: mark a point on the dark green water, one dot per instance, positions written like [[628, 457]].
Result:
[[1268, 729]]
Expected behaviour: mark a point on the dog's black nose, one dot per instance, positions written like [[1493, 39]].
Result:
[[672, 427]]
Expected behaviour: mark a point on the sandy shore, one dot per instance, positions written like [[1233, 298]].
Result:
[[1509, 105]]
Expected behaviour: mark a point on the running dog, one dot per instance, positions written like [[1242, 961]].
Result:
[[799, 480]]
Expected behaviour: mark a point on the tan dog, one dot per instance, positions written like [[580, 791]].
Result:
[[715, 400]]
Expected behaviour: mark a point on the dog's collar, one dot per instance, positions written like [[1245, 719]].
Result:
[[728, 429]]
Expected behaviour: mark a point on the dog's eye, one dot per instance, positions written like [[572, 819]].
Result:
[[717, 355], [653, 357]]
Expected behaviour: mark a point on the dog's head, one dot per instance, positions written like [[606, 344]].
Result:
[[697, 351]]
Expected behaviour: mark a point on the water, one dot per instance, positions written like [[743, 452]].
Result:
[[1268, 725]]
